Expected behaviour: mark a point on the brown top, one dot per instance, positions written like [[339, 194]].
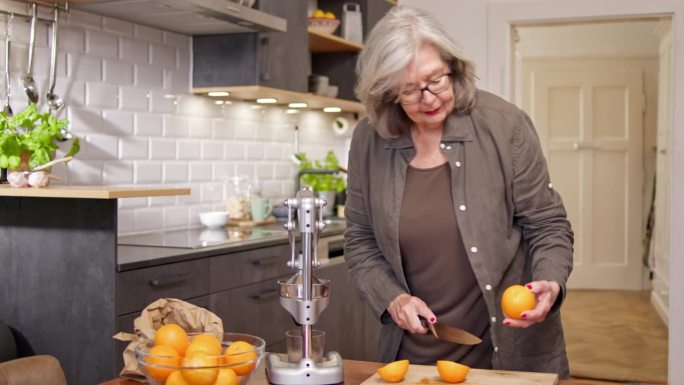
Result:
[[438, 271]]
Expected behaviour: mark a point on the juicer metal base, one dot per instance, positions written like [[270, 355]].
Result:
[[306, 371]]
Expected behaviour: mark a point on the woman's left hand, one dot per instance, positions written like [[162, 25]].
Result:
[[545, 292]]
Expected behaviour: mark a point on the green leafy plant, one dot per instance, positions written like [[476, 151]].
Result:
[[33, 133], [321, 182]]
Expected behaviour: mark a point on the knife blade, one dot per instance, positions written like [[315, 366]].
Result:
[[453, 334]]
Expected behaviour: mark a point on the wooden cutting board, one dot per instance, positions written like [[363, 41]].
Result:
[[428, 375]]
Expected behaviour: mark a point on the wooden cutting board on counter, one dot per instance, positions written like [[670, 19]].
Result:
[[428, 375]]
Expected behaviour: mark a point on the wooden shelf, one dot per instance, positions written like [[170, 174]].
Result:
[[251, 93], [325, 42], [90, 192]]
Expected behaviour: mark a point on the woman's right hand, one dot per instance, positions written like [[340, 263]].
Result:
[[405, 310]]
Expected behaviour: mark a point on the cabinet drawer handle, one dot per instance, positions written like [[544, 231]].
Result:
[[168, 280], [265, 294], [266, 260]]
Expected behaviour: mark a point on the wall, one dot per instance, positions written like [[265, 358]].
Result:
[[126, 89], [484, 25]]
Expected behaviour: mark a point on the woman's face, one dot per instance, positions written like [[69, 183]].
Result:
[[427, 70]]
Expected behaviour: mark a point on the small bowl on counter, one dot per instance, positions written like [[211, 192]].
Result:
[[214, 219]]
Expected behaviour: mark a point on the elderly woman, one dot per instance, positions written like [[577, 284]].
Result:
[[449, 203]]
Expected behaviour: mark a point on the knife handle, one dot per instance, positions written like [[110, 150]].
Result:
[[428, 325]]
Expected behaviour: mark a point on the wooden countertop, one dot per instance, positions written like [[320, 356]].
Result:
[[91, 192], [355, 372]]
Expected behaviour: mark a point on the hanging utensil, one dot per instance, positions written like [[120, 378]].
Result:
[[29, 83], [55, 102], [7, 109]]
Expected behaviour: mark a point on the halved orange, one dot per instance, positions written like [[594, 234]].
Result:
[[451, 371], [394, 371]]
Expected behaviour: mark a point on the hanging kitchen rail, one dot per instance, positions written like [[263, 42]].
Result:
[[22, 8]]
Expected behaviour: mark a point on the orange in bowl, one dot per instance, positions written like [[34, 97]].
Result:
[[241, 356], [517, 299], [394, 371]]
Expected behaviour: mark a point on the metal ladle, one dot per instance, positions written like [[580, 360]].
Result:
[[29, 83], [7, 109], [54, 101]]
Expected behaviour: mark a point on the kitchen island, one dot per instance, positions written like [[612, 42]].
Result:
[[58, 262], [355, 373]]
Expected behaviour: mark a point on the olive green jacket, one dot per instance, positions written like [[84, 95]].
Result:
[[512, 221]]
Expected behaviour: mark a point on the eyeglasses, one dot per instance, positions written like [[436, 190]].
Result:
[[434, 86]]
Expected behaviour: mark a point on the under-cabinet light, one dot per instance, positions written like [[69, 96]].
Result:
[[218, 93], [267, 100], [332, 109], [292, 111], [219, 102], [297, 105]]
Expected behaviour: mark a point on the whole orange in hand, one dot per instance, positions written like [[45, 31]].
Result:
[[394, 371], [172, 335], [162, 355], [238, 352], [451, 371], [517, 299]]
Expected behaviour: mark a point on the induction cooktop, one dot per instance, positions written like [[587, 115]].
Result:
[[199, 237]]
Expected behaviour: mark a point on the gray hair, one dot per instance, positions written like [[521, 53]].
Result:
[[393, 44]]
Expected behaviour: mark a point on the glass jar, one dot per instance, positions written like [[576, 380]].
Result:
[[238, 193]]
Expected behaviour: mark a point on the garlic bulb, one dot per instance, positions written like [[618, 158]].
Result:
[[38, 179], [17, 179]]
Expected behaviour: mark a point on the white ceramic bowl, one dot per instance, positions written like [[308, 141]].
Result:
[[214, 219]]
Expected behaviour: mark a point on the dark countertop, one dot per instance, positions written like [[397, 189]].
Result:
[[130, 257]]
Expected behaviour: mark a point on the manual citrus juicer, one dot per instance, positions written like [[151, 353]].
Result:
[[305, 297]]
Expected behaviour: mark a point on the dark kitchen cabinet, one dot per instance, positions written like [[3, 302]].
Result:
[[276, 60]]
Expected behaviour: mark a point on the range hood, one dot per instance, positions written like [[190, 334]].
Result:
[[189, 17]]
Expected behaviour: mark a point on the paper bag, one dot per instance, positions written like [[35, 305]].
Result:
[[192, 318]]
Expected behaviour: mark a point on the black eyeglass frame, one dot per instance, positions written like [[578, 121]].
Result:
[[426, 88]]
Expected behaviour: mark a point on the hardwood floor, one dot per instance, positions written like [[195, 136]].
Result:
[[615, 336]]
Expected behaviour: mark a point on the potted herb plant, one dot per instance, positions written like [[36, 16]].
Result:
[[28, 139], [323, 177]]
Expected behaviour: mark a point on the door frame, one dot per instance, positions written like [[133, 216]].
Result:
[[500, 19]]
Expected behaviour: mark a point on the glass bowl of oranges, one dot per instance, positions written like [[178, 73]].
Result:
[[199, 358]]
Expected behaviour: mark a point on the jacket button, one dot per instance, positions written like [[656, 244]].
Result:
[[462, 207], [473, 249], [550, 185], [496, 348], [458, 164], [448, 147], [442, 145], [493, 319], [488, 287]]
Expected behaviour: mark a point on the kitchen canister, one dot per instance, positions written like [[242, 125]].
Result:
[[352, 28]]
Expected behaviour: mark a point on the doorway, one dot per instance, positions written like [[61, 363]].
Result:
[[591, 89]]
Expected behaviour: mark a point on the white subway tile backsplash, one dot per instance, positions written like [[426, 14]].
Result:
[[255, 151], [83, 19], [189, 149], [223, 170], [100, 147], [176, 126], [100, 95], [264, 171], [131, 203], [284, 170], [116, 26], [163, 201], [117, 122], [244, 130], [125, 220], [176, 217], [273, 189], [272, 151], [200, 128], [150, 34], [149, 218], [147, 76], [149, 124], [222, 129], [72, 92], [161, 149], [120, 172], [134, 51], [162, 103], [82, 67], [212, 192], [133, 148], [212, 150], [101, 44], [176, 81], [134, 99], [189, 105], [175, 172], [235, 150], [84, 120], [176, 39], [148, 172], [163, 56], [85, 172], [71, 39], [200, 172], [118, 72], [245, 168]]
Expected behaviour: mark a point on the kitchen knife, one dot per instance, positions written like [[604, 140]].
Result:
[[453, 334]]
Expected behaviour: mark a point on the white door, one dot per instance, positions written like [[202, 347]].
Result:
[[589, 114]]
